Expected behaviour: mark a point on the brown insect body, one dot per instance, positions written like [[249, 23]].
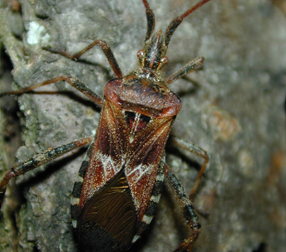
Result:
[[134, 126]]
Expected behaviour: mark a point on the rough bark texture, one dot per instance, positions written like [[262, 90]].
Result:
[[234, 108]]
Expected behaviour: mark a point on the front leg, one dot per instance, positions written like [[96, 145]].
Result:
[[105, 48], [192, 65], [187, 209]]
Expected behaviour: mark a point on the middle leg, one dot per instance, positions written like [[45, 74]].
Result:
[[199, 152], [70, 80], [187, 208]]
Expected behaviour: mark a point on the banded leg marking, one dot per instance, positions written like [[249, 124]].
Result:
[[39, 160], [75, 197], [187, 208], [152, 204]]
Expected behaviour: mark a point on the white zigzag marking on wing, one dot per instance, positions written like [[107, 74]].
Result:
[[108, 163], [142, 170]]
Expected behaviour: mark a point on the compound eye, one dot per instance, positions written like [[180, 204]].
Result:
[[140, 54], [164, 60]]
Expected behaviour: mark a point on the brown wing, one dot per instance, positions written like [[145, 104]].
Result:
[[145, 154], [123, 144], [106, 156], [109, 217]]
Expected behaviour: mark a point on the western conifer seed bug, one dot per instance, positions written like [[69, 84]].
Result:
[[120, 180]]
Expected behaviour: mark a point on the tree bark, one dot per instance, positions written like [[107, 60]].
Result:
[[234, 108]]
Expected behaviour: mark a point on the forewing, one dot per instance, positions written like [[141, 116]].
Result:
[[106, 156], [144, 156]]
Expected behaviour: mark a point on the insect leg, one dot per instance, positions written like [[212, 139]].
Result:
[[199, 152], [70, 80], [105, 48], [187, 209], [195, 63], [38, 160]]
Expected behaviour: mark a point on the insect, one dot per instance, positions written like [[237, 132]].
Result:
[[120, 180]]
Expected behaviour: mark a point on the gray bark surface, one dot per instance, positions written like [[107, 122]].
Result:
[[234, 108]]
